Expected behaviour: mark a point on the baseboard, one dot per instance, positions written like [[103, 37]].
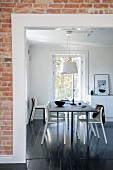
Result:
[[10, 159], [109, 119]]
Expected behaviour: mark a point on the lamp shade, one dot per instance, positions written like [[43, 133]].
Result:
[[68, 68]]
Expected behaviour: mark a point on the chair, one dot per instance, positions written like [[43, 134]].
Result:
[[34, 107], [76, 126], [52, 118], [97, 118]]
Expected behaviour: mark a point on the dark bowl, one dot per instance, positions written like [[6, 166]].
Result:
[[59, 103], [102, 90]]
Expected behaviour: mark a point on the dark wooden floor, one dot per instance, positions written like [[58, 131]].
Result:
[[66, 157]]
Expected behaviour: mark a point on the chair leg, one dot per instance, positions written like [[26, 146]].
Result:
[[97, 130], [45, 129], [84, 133], [78, 127], [75, 126], [64, 133], [104, 133], [92, 128], [68, 119]]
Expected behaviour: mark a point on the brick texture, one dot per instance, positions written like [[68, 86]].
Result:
[[30, 6]]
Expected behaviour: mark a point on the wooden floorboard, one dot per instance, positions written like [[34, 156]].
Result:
[[68, 157], [65, 157]]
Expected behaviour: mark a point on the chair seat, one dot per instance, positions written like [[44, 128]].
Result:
[[52, 120], [62, 115], [89, 120], [40, 106]]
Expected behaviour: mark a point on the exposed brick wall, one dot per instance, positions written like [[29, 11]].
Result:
[[37, 7]]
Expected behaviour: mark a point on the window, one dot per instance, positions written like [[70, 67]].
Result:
[[63, 83]]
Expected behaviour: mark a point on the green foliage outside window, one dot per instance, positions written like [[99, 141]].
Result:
[[63, 82]]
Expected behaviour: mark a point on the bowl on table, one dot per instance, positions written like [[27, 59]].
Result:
[[59, 103]]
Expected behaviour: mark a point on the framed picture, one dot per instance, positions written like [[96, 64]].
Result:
[[101, 84]]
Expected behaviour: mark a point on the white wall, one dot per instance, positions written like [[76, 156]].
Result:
[[28, 106], [39, 74], [100, 62]]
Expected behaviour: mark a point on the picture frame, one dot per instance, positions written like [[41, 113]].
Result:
[[101, 84]]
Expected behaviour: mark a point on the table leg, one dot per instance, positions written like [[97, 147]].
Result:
[[71, 127], [87, 130], [57, 131]]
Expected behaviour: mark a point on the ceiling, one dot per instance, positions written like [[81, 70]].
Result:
[[77, 36]]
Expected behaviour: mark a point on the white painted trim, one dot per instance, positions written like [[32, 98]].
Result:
[[19, 23]]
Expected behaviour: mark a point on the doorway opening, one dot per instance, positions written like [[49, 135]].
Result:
[[20, 101]]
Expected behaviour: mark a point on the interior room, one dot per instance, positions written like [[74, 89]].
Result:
[[94, 46]]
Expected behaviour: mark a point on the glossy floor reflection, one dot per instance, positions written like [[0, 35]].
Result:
[[67, 157]]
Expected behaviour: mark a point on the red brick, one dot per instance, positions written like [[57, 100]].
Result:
[[40, 5], [53, 11], [5, 29], [85, 6], [7, 143], [76, 1], [8, 5], [71, 6], [6, 0], [56, 5], [5, 16], [38, 11], [24, 5], [6, 89], [6, 10], [7, 133], [5, 49], [100, 5], [1, 69], [69, 11], [60, 1], [84, 11], [111, 5], [7, 152], [6, 78], [107, 1], [92, 1], [5, 20], [28, 1], [6, 138], [6, 127], [9, 122]]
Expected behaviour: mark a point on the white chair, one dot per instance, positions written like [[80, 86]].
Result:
[[36, 106], [52, 118], [97, 119], [78, 116]]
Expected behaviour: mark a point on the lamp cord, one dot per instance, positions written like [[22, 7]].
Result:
[[68, 40]]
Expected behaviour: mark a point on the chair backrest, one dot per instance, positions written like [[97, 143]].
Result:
[[35, 101], [47, 114], [100, 115]]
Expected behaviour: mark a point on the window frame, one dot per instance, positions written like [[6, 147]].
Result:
[[84, 73]]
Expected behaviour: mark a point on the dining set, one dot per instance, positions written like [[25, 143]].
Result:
[[55, 112]]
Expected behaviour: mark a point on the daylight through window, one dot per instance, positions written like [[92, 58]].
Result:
[[63, 83]]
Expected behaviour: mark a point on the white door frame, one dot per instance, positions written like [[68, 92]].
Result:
[[19, 23]]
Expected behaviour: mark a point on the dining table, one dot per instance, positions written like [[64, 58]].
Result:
[[78, 107]]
